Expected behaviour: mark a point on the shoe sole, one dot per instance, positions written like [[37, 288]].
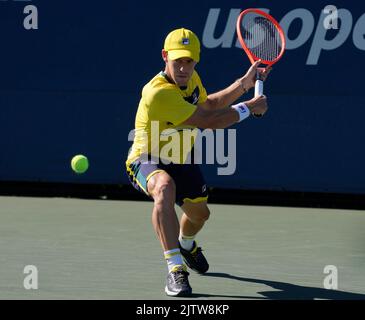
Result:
[[178, 294]]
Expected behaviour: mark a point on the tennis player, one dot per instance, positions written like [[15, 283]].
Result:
[[176, 99]]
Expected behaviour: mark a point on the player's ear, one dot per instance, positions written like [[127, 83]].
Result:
[[164, 55]]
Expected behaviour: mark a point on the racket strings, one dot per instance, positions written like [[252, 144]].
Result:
[[261, 36]]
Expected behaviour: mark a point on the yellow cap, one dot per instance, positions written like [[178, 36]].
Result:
[[182, 43]]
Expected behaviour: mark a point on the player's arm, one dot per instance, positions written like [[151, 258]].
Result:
[[227, 96], [225, 117]]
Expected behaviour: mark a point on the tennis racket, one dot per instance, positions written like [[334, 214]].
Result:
[[261, 37]]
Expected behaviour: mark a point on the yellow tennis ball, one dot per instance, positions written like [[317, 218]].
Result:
[[79, 163]]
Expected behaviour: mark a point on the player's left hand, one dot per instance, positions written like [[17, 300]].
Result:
[[264, 72], [251, 75]]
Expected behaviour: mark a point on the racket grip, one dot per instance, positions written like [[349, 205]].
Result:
[[259, 88]]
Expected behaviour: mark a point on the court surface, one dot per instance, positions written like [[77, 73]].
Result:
[[101, 249]]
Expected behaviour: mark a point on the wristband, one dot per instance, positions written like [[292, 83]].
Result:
[[242, 109]]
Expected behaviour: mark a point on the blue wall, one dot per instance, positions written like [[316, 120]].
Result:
[[73, 86]]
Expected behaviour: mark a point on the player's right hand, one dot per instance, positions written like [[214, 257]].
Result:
[[258, 105]]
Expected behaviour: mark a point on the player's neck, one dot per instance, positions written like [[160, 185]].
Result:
[[169, 79]]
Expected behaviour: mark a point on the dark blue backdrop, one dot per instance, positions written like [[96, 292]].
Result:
[[73, 86]]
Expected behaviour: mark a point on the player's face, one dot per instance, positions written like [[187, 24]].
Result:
[[180, 70]]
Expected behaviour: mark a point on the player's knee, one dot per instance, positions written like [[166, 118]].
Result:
[[201, 215], [205, 214], [164, 188]]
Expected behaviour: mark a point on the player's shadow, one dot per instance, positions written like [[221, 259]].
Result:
[[286, 291]]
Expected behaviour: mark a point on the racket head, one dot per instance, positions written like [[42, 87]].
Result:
[[260, 36]]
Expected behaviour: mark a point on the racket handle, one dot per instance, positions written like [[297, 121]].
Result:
[[259, 88]]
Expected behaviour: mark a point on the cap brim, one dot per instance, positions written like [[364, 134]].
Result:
[[177, 54]]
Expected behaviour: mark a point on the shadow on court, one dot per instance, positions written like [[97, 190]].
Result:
[[285, 290]]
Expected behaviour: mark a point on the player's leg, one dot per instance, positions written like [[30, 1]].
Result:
[[193, 219], [162, 189]]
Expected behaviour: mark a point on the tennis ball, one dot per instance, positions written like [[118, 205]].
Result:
[[79, 163]]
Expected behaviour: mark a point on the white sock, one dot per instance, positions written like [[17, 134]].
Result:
[[173, 258], [186, 242]]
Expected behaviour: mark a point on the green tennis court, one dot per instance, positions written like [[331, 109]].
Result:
[[102, 249]]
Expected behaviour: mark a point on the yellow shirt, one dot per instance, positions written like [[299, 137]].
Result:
[[161, 111]]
